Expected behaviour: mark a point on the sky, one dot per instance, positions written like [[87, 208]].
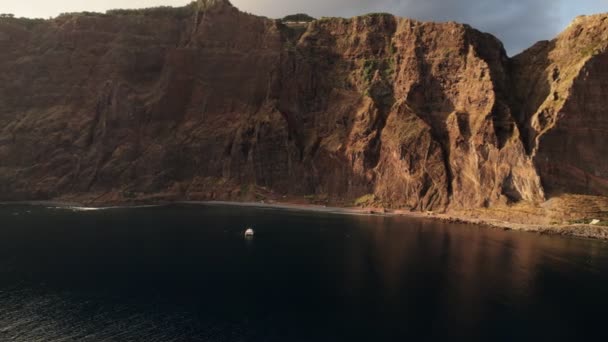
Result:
[[518, 23]]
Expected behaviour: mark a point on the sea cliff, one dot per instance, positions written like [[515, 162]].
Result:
[[206, 102]]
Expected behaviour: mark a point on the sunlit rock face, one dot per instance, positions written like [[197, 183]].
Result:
[[207, 102], [562, 87]]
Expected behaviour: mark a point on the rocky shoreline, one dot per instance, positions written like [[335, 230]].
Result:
[[585, 231]]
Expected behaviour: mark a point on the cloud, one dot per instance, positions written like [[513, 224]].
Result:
[[518, 23]]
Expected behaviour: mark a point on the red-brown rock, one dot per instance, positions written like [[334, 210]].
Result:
[[206, 102]]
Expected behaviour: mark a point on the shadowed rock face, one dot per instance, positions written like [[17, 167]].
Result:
[[203, 102]]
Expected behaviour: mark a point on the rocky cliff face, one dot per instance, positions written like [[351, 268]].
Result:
[[206, 102], [561, 87]]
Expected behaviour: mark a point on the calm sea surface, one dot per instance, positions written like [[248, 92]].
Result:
[[185, 273]]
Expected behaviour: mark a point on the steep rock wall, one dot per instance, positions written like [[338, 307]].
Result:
[[561, 87], [206, 102]]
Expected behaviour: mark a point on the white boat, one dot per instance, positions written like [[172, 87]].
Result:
[[249, 232]]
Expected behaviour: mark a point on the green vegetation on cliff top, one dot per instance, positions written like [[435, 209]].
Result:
[[299, 17]]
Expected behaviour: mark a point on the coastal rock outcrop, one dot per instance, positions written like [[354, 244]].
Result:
[[207, 102]]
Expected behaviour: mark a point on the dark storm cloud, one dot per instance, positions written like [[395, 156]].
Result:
[[518, 23]]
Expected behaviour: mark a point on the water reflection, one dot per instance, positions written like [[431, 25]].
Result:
[[460, 277], [305, 277]]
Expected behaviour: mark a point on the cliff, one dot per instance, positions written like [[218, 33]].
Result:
[[206, 102]]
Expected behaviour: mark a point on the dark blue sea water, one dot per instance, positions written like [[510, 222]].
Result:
[[185, 273]]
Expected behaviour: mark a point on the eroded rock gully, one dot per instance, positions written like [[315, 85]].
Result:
[[207, 102]]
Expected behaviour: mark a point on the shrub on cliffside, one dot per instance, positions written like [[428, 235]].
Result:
[[80, 14], [300, 17], [178, 12]]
